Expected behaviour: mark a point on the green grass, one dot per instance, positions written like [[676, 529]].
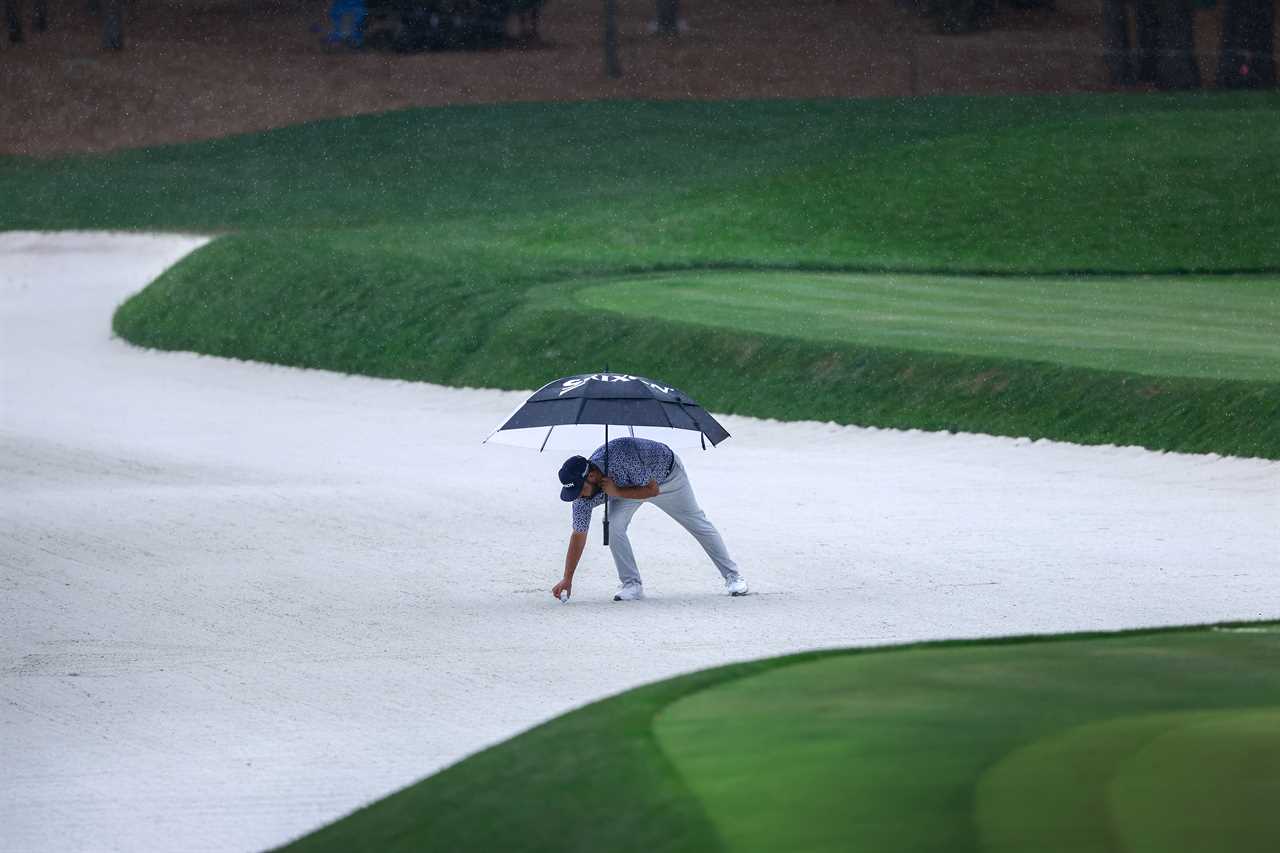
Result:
[[1189, 780], [1199, 326], [1137, 741], [450, 245]]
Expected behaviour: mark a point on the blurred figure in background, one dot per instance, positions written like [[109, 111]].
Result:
[[13, 18], [342, 12]]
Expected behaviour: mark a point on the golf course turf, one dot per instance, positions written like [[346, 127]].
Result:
[[1139, 741], [472, 246]]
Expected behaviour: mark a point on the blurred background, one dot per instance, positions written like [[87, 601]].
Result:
[[95, 75]]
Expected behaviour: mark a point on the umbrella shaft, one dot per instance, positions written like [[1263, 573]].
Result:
[[606, 473]]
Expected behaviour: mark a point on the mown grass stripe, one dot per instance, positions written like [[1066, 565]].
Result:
[[1097, 326]]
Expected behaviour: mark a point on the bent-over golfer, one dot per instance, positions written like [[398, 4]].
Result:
[[639, 471]]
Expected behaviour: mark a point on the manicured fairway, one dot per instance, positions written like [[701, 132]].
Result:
[[1149, 741], [1201, 326]]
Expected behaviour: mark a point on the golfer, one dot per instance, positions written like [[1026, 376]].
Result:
[[639, 472]]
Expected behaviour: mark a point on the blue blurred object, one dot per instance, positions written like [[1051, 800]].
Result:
[[340, 13]]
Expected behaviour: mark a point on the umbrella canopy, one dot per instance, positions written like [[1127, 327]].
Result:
[[569, 413]]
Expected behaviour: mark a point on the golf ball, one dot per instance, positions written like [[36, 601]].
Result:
[[564, 596]]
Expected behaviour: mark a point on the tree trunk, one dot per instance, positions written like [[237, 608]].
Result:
[[1247, 59], [13, 20], [668, 17], [1147, 28], [113, 24], [611, 66], [1115, 43], [40, 15], [1177, 68]]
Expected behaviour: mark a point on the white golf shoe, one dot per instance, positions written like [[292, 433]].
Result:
[[737, 586], [629, 592]]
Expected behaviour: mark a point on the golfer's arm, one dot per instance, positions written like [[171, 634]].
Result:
[[577, 541], [639, 493]]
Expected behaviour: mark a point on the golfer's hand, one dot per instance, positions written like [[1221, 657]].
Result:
[[565, 585], [610, 487]]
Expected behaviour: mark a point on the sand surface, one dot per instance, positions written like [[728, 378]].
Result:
[[239, 601]]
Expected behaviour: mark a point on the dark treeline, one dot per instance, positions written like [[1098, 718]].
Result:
[[13, 15], [1148, 42], [1152, 41]]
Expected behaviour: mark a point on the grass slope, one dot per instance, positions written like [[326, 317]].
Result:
[[913, 748], [437, 244]]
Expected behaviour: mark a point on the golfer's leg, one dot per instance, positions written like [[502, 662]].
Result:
[[620, 512], [676, 500]]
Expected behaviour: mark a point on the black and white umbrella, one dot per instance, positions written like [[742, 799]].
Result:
[[569, 412], [572, 412]]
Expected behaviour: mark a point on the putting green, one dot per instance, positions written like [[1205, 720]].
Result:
[[1219, 327], [1164, 783], [1165, 743], [1211, 783]]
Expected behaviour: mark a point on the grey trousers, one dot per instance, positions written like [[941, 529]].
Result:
[[675, 498]]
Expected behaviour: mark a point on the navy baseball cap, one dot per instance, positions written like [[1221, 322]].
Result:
[[573, 473]]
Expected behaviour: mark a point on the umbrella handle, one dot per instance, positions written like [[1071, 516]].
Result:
[[606, 473]]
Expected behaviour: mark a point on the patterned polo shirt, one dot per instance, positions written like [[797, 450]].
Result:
[[632, 462]]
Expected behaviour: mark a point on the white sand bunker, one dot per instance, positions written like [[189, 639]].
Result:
[[240, 601]]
